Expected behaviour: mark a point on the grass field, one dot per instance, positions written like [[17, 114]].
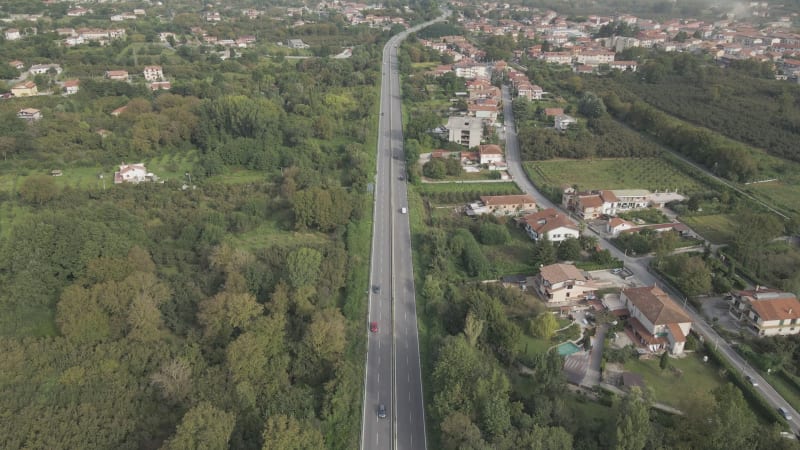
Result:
[[274, 232], [787, 390], [696, 381], [513, 257], [783, 194], [716, 228], [499, 188], [617, 173]]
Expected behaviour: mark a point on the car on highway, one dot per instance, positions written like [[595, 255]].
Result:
[[785, 413], [373, 327], [376, 289], [751, 380], [382, 411], [403, 210]]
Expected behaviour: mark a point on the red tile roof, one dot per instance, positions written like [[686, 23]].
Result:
[[548, 219], [781, 308], [656, 305], [558, 273]]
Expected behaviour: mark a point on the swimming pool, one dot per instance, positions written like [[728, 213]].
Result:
[[567, 348]]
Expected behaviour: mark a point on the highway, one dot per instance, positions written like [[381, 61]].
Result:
[[393, 375], [640, 269]]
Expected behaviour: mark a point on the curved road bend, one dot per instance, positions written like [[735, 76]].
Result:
[[639, 267], [393, 375]]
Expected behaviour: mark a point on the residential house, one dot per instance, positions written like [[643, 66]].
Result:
[[132, 173], [77, 12], [590, 205], [558, 283], [12, 34], [502, 205], [623, 65], [17, 64], [119, 111], [71, 86], [29, 114], [153, 73], [655, 319], [40, 69], [465, 130], [630, 199], [25, 89], [767, 312], [616, 225], [160, 85], [488, 112], [119, 75], [296, 44], [563, 121], [550, 223], [552, 112], [490, 153]]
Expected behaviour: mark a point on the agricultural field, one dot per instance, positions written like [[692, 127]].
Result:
[[654, 174], [782, 194], [717, 228]]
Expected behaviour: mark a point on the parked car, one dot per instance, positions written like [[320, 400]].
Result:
[[373, 327]]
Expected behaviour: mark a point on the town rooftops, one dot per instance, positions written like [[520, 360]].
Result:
[[609, 196], [656, 305], [553, 112], [547, 220], [490, 149], [631, 192], [778, 308], [591, 201], [558, 273], [616, 221]]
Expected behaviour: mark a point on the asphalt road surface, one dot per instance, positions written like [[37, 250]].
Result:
[[639, 267], [392, 375]]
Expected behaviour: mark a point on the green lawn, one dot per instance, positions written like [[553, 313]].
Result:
[[615, 173], [513, 257], [501, 188], [531, 346], [782, 194], [786, 389], [697, 379], [717, 228], [270, 233]]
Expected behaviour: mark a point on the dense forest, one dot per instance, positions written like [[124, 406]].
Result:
[[221, 306]]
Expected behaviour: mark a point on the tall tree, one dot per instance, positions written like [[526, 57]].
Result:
[[544, 325], [544, 253], [733, 424], [633, 421], [303, 267], [287, 433], [202, 427], [473, 327]]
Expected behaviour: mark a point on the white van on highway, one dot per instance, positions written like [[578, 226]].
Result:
[[404, 210]]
